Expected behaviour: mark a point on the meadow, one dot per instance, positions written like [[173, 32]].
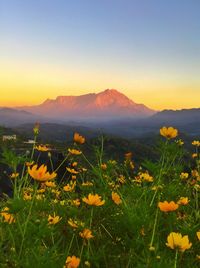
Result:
[[102, 213]]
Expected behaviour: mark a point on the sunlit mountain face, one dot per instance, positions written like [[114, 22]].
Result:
[[107, 104]]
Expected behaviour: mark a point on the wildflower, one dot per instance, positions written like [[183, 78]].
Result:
[[183, 201], [36, 129], [27, 196], [78, 138], [7, 216], [72, 262], [72, 170], [180, 142], [42, 148], [14, 175], [86, 234], [196, 143], [93, 200], [121, 179], [145, 177], [53, 219], [29, 164], [87, 183], [169, 132], [74, 164], [184, 176], [168, 206], [69, 187], [73, 223], [74, 151], [194, 155], [73, 177], [116, 198], [76, 202], [177, 241], [56, 192], [41, 191], [128, 155], [198, 235], [50, 184], [41, 174], [103, 166]]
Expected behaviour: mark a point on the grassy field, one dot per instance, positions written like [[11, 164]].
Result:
[[102, 213]]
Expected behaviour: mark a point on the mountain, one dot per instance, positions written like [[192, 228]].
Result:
[[14, 117], [108, 104]]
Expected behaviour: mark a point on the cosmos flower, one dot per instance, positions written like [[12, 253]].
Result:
[[183, 201], [93, 200], [72, 262], [78, 138], [177, 241], [116, 198], [167, 206], [74, 151], [169, 132], [7, 216], [42, 148], [41, 174], [86, 234]]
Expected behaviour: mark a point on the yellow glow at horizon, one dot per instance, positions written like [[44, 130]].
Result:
[[33, 84]]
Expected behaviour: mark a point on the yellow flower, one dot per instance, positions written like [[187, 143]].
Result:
[[194, 155], [76, 202], [184, 176], [42, 148], [72, 170], [169, 132], [74, 164], [93, 200], [198, 235], [7, 216], [168, 206], [183, 201], [72, 223], [146, 177], [103, 166], [53, 219], [180, 142], [27, 196], [28, 164], [121, 179], [177, 241], [72, 262], [78, 138], [86, 234], [36, 129], [69, 187], [196, 143], [41, 174], [50, 184], [74, 151], [14, 175], [87, 183], [116, 198]]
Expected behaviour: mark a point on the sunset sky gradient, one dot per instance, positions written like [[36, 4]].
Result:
[[147, 49]]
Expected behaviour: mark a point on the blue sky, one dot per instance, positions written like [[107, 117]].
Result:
[[75, 47]]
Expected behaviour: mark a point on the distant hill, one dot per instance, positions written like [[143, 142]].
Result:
[[106, 105], [13, 117]]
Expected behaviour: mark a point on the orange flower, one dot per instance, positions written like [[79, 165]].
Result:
[[72, 262], [41, 174], [53, 219], [78, 138], [103, 166], [116, 198], [72, 170], [128, 155], [76, 202], [196, 143], [74, 151], [69, 187], [86, 234], [7, 216], [168, 206], [198, 235], [169, 132], [93, 200], [73, 223]]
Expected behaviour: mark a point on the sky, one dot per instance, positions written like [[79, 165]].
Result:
[[147, 49]]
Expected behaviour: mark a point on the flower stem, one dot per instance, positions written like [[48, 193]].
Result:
[[175, 261]]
